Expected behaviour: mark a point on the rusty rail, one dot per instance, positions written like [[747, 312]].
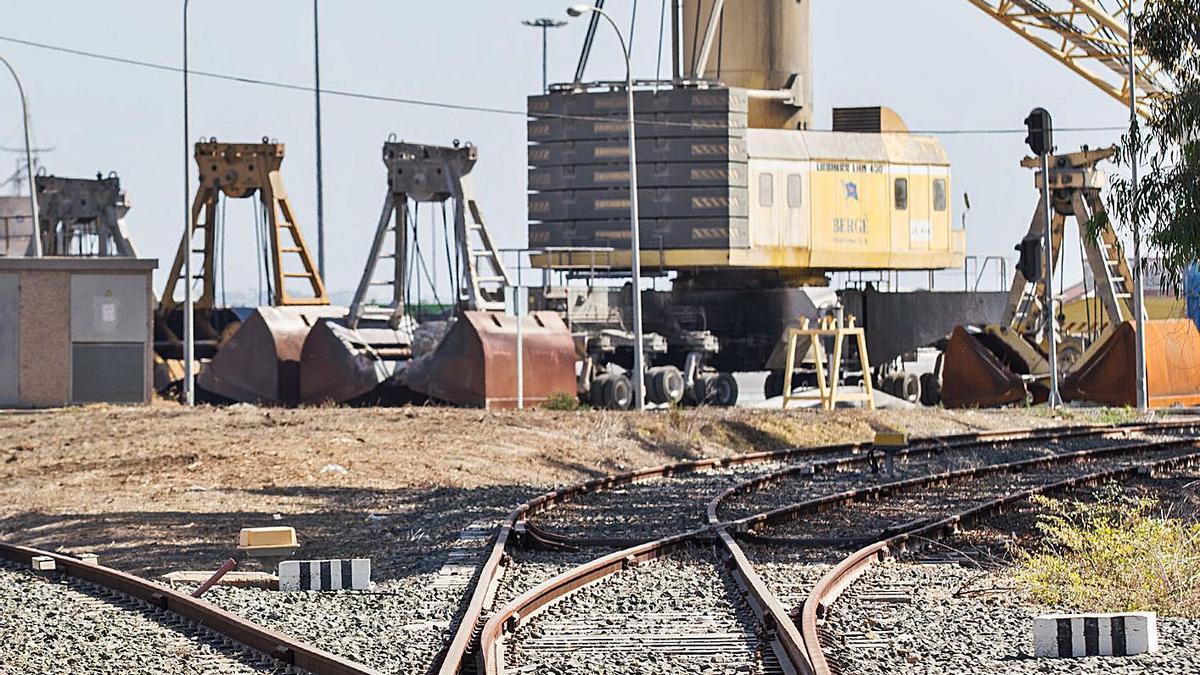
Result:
[[932, 444], [517, 526], [834, 583], [876, 491], [489, 660], [278, 646]]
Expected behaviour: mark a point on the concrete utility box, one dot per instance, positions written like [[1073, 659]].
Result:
[[75, 330]]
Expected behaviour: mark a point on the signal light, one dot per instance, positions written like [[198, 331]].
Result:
[[1030, 265], [1041, 132]]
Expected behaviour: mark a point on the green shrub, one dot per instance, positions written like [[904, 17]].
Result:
[[1114, 554], [563, 402]]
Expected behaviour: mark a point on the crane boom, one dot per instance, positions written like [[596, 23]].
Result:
[[1087, 37]]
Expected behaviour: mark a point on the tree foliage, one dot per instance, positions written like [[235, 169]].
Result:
[[1167, 148]]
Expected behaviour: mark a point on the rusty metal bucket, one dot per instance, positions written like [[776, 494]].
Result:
[[475, 363], [339, 364], [973, 376], [260, 363], [1106, 373]]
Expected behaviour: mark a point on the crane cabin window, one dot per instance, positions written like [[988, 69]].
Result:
[[766, 189], [939, 194], [795, 197], [901, 194]]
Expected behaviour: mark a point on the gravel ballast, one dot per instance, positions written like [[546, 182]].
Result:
[[677, 614], [963, 620], [48, 625]]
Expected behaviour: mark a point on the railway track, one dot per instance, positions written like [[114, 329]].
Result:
[[191, 632], [494, 636], [947, 517], [732, 562]]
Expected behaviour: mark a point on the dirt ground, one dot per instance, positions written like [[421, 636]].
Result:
[[153, 489]]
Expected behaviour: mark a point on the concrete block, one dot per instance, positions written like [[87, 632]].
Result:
[[89, 558], [325, 575], [42, 563], [890, 440], [267, 542], [1074, 635]]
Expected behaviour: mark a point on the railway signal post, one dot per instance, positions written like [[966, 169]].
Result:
[[1041, 141]]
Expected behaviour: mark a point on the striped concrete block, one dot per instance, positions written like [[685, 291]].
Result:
[[325, 575], [1073, 635]]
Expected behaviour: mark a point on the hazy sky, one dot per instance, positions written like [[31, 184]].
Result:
[[942, 64]]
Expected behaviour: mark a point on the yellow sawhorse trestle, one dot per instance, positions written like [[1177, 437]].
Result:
[[827, 392]]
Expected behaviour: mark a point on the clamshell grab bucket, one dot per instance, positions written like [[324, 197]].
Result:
[[1106, 373], [260, 363], [974, 377], [475, 365], [346, 365]]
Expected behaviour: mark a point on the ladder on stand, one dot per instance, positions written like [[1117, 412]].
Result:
[[430, 174], [1075, 186], [241, 170]]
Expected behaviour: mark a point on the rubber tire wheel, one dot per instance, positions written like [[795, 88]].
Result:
[[670, 384], [931, 392], [653, 388], [596, 394], [618, 394], [774, 385], [893, 384], [724, 390], [911, 388]]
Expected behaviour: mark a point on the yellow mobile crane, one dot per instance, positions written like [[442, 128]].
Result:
[[749, 208]]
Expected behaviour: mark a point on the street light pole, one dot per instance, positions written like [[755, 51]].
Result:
[[639, 366], [1139, 288], [320, 177], [36, 232], [189, 338], [545, 24]]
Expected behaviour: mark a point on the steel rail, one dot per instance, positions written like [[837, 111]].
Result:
[[940, 445], [844, 463], [930, 444], [517, 527], [278, 646], [874, 492], [827, 590], [489, 658]]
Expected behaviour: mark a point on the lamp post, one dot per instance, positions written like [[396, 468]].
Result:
[[545, 24], [189, 338], [1139, 288], [36, 232], [639, 365], [317, 123]]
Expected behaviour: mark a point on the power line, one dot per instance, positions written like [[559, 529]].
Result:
[[464, 107]]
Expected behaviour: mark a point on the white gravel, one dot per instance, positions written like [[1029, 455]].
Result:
[[48, 625], [679, 614], [962, 620]]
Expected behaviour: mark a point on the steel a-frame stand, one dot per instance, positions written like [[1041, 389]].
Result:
[[431, 174], [240, 170]]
